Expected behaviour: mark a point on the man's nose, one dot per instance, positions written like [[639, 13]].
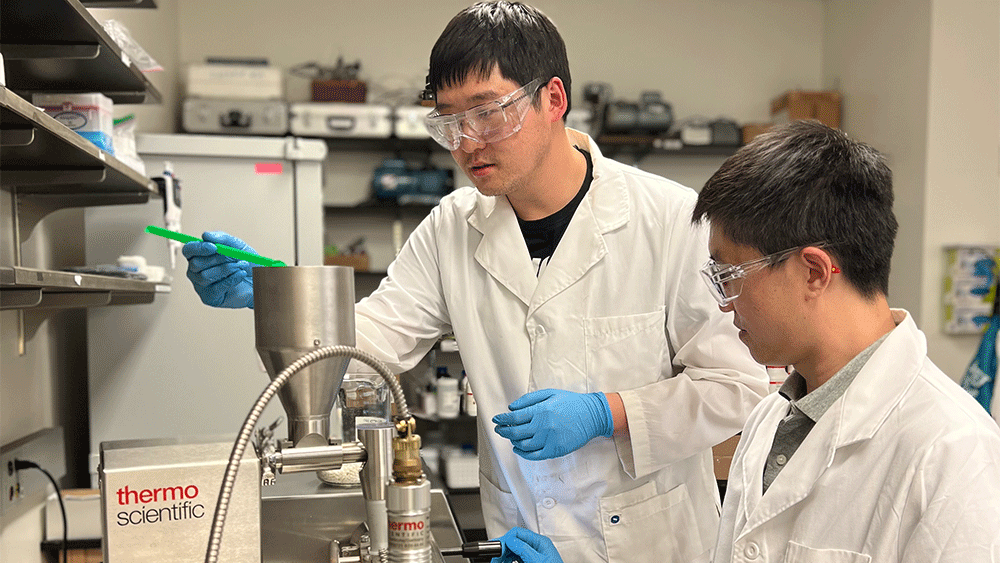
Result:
[[469, 144]]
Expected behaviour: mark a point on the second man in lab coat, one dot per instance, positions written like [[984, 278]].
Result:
[[868, 453]]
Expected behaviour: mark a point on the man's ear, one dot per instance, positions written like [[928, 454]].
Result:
[[821, 268], [553, 99]]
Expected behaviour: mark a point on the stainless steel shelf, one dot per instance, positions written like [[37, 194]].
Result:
[[118, 3], [56, 46], [30, 288], [42, 156]]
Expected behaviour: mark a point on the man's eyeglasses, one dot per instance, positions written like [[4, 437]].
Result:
[[726, 281], [486, 123]]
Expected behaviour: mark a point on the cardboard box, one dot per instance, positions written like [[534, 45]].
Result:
[[83, 515], [722, 455], [355, 91], [751, 130], [798, 104]]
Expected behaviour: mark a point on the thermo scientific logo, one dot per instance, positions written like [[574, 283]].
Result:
[[183, 498], [406, 526]]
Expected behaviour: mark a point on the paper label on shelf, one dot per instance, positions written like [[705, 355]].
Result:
[[125, 60]]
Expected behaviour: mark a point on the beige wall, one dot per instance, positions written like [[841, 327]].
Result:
[[920, 80], [962, 192]]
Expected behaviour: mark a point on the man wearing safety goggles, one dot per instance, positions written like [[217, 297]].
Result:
[[868, 452], [603, 371]]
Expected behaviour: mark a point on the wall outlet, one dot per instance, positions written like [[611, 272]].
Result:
[[23, 489]]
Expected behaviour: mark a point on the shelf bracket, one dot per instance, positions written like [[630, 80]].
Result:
[[121, 298], [27, 52], [54, 176], [17, 137], [19, 298], [70, 300], [31, 210]]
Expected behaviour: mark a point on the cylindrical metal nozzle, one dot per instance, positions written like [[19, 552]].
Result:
[[297, 460], [409, 508], [376, 474]]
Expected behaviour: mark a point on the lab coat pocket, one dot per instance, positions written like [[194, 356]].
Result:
[[499, 508], [643, 526], [622, 349], [798, 553]]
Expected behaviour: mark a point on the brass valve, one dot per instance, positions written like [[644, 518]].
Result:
[[406, 465]]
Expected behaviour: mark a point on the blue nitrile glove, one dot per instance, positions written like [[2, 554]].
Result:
[[219, 280], [551, 423], [524, 545]]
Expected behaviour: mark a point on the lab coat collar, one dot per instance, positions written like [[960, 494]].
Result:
[[503, 253], [855, 417]]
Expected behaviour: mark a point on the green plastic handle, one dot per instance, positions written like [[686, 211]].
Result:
[[221, 248]]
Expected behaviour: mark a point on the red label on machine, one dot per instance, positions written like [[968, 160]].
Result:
[[267, 168], [410, 532]]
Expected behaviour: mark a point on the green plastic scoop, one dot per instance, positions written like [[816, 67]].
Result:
[[221, 248]]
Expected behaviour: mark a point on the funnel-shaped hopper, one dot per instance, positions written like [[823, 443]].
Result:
[[296, 310]]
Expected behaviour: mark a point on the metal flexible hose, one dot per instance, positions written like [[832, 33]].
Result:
[[229, 480]]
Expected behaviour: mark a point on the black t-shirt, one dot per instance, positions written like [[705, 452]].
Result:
[[543, 235]]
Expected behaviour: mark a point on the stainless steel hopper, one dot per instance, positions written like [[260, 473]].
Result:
[[296, 310]]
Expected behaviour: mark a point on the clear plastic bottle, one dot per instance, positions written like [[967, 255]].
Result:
[[448, 397], [468, 401]]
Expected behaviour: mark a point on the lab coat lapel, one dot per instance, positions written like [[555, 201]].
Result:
[[856, 416], [752, 471], [502, 251], [799, 477], [605, 208]]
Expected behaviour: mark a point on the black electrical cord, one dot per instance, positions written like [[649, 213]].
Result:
[[20, 464]]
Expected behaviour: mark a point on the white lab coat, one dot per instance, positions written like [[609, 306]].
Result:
[[619, 308], [905, 466]]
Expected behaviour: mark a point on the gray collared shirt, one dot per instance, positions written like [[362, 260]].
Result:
[[804, 410]]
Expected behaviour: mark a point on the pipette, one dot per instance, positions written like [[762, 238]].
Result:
[[221, 248]]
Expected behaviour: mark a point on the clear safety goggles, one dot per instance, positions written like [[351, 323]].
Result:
[[486, 123], [726, 281]]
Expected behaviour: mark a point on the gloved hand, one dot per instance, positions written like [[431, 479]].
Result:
[[527, 546], [219, 280], [551, 423]]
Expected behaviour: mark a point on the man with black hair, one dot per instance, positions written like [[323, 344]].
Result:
[[571, 284], [868, 452]]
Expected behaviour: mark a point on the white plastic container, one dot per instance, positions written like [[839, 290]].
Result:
[[87, 114], [448, 399], [460, 469]]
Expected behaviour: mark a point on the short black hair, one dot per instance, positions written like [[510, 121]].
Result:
[[803, 183], [517, 39]]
